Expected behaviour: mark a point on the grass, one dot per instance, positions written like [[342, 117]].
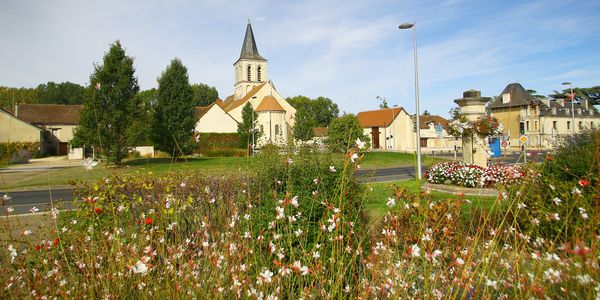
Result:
[[155, 166], [379, 192], [373, 160]]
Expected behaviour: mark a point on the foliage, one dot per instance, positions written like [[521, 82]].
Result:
[[219, 145], [576, 158], [16, 152], [174, 120], [592, 94], [110, 112], [140, 131], [245, 129], [484, 125], [305, 122], [61, 93], [223, 152], [323, 110], [12, 95], [343, 133], [454, 113], [203, 94], [468, 175]]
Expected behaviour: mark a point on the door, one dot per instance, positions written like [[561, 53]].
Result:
[[62, 148], [423, 142], [375, 137], [495, 146]]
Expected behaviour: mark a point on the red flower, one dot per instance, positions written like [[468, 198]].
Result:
[[38, 247], [549, 157], [98, 210], [584, 182], [148, 221], [56, 241]]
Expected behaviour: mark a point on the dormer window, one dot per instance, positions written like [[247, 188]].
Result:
[[579, 111], [506, 98]]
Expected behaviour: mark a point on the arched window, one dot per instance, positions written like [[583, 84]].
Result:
[[262, 129], [258, 71], [276, 130], [249, 70]]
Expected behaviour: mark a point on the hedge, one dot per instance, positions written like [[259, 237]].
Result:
[[8, 150], [219, 144]]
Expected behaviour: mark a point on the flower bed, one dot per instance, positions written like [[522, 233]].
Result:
[[468, 175]]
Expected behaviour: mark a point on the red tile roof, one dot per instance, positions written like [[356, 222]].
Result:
[[378, 118]]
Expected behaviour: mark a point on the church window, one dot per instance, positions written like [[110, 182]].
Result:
[[258, 70], [276, 130], [262, 129], [249, 71]]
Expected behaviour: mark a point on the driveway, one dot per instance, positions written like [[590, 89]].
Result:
[[15, 173]]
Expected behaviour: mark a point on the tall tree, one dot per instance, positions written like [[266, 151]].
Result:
[[11, 95], [591, 94], [303, 127], [174, 119], [204, 94], [322, 109], [140, 131], [61, 93], [343, 133], [245, 128], [108, 114]]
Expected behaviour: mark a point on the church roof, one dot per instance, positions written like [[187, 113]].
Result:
[[231, 104], [378, 118], [249, 49], [269, 103]]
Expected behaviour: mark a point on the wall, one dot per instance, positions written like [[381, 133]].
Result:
[[268, 120], [15, 130], [216, 120]]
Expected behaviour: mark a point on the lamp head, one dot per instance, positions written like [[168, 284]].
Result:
[[406, 25], [566, 83]]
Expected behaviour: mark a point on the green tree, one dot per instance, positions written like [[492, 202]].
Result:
[[174, 119], [11, 95], [591, 94], [203, 94], [61, 93], [303, 128], [343, 133], [426, 113], [140, 132], [108, 114], [245, 128], [322, 109]]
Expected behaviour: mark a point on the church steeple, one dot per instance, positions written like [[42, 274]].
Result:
[[251, 68], [249, 49]]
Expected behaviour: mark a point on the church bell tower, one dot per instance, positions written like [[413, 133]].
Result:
[[251, 68]]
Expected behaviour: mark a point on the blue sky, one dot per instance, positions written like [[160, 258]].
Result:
[[349, 51]]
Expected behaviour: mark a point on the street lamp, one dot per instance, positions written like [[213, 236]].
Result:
[[414, 27], [572, 105]]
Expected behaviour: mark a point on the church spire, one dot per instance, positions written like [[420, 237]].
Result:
[[249, 49]]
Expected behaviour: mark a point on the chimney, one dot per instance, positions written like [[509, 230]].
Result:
[[16, 110]]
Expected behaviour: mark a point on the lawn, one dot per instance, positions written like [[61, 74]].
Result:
[[155, 166], [373, 160]]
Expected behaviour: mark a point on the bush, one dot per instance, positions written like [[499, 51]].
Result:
[[575, 158], [223, 152], [19, 152], [468, 175]]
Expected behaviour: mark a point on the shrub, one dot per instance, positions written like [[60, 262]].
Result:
[[576, 158], [223, 152], [468, 175], [13, 152]]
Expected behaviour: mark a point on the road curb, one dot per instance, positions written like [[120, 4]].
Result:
[[39, 188], [485, 192]]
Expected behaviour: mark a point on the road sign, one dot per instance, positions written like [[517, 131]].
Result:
[[523, 139], [505, 138], [504, 144]]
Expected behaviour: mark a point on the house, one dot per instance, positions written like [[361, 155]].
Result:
[[545, 122], [15, 130], [57, 121], [394, 129], [275, 115]]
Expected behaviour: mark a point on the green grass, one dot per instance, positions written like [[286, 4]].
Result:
[[379, 192], [153, 166], [374, 160]]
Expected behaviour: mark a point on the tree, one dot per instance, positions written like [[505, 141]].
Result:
[[303, 128], [61, 93], [343, 133], [106, 116], [426, 113], [10, 96], [203, 94], [245, 128], [383, 103], [591, 94], [454, 113], [174, 119], [140, 132], [321, 109]]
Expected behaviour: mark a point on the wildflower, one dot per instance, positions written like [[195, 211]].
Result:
[[576, 191], [140, 268], [316, 181], [88, 163], [294, 201], [552, 187], [552, 275], [353, 157], [332, 169], [182, 185], [171, 226], [54, 213], [584, 182], [9, 209], [583, 213], [97, 210], [391, 202], [6, 198], [279, 213], [289, 161], [556, 216], [521, 205], [34, 210], [491, 283], [148, 221], [120, 208], [316, 255], [535, 221], [304, 270], [433, 256], [27, 232], [360, 144], [98, 85], [459, 261], [414, 251], [12, 252], [557, 200], [265, 276]]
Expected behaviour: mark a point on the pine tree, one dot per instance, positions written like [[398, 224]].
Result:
[[107, 115], [174, 119]]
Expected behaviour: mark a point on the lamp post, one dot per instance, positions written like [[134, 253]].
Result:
[[418, 129], [572, 105]]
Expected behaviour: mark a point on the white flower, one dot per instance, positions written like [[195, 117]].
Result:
[[557, 200], [353, 157], [491, 283], [584, 214], [414, 251], [139, 268], [34, 210], [280, 213], [304, 270], [316, 255], [6, 198], [88, 163], [576, 191], [391, 202], [290, 161], [294, 201], [9, 209], [360, 144], [298, 232], [521, 205], [556, 217], [460, 261], [535, 221], [265, 276], [332, 169]]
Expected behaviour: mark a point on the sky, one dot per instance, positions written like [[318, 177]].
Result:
[[349, 51]]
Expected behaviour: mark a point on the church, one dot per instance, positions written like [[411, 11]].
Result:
[[252, 85]]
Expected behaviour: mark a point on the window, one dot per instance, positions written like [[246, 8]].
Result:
[[276, 130], [568, 124], [554, 125], [535, 125], [527, 126], [258, 71], [262, 129], [249, 71], [580, 125]]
